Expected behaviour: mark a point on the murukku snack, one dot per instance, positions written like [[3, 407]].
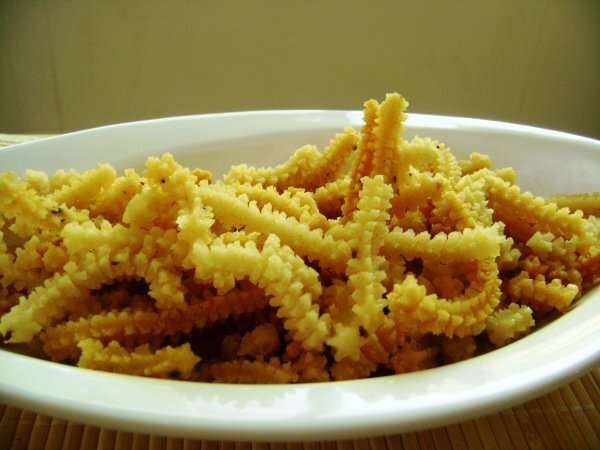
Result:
[[589, 204], [378, 255], [168, 362], [307, 168]]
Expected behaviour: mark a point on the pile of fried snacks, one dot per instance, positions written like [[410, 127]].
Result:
[[374, 256]]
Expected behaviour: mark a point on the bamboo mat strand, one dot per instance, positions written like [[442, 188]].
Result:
[[26, 430], [566, 418]]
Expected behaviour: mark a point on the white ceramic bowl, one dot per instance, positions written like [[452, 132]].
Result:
[[547, 162]]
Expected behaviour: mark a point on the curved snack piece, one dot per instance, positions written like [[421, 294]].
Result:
[[540, 294], [525, 214], [252, 372], [167, 362], [416, 311], [307, 168], [507, 324], [589, 204], [474, 244], [297, 204]]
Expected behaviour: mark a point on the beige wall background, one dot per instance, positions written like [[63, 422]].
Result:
[[68, 65]]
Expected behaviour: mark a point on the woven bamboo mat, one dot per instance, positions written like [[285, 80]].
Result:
[[566, 418]]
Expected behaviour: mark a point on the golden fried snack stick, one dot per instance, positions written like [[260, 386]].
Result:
[[549, 247], [292, 286], [472, 244], [281, 176], [361, 335], [448, 165], [365, 271], [415, 311], [506, 324], [573, 240], [540, 294], [45, 304], [589, 204], [60, 341], [79, 192], [377, 152], [550, 269], [307, 168], [33, 213], [298, 205], [168, 362], [243, 371], [316, 245], [515, 209]]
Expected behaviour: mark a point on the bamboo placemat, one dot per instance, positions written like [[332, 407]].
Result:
[[566, 418]]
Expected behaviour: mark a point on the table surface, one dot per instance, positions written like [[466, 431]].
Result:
[[566, 418]]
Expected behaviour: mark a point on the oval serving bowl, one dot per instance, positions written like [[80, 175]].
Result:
[[547, 162]]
